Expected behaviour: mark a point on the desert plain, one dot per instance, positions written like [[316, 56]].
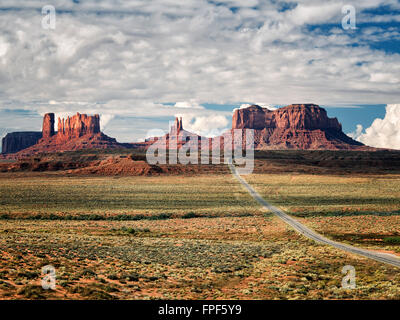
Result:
[[195, 232]]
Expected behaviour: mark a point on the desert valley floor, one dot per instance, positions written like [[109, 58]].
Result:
[[196, 235]]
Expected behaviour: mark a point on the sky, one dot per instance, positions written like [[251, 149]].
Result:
[[140, 63]]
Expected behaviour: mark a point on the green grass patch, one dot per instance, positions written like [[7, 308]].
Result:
[[191, 215], [89, 217], [392, 240], [90, 198]]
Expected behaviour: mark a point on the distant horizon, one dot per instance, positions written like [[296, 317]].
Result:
[[348, 116]]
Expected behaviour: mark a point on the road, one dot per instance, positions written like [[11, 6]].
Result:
[[381, 257]]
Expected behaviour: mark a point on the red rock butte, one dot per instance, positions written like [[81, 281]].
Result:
[[297, 126], [78, 126], [74, 133], [70, 128], [295, 116]]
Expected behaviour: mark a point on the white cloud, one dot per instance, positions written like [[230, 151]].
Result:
[[192, 104], [207, 125], [173, 51], [242, 106], [383, 133], [267, 106], [262, 105], [384, 77], [105, 118], [3, 46], [129, 58], [357, 133]]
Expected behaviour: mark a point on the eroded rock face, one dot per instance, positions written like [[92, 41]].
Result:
[[78, 126], [305, 117], [295, 116], [297, 126], [48, 125], [253, 117], [74, 133], [16, 141], [177, 127]]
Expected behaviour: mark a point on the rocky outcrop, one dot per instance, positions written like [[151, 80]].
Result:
[[177, 127], [253, 117], [297, 126], [48, 126], [176, 138], [16, 141], [77, 126], [295, 116], [74, 133], [305, 117]]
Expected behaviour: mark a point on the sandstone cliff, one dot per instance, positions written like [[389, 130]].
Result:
[[16, 141], [78, 126], [48, 125], [74, 133], [297, 126], [295, 116]]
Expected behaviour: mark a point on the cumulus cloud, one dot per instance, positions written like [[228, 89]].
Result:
[[130, 58], [244, 106], [357, 133], [383, 133], [144, 50], [105, 118], [207, 125], [262, 105], [3, 133], [267, 106], [192, 104]]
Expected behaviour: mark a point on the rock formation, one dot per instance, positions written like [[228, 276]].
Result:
[[297, 126], [178, 136], [295, 116], [16, 141], [177, 127], [48, 125], [78, 126], [74, 133]]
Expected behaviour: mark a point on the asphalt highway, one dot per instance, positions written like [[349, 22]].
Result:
[[381, 257]]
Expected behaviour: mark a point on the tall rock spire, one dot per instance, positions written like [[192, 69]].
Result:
[[177, 126], [48, 125]]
